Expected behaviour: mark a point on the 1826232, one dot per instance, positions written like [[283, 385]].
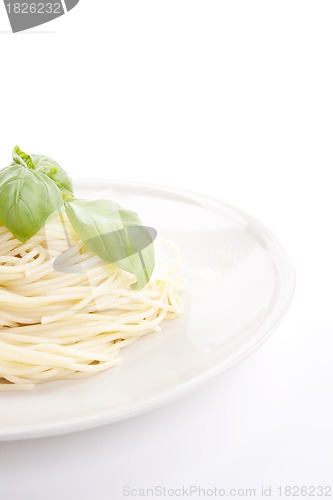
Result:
[[34, 8], [305, 491]]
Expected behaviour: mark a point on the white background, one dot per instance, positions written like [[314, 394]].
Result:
[[232, 99]]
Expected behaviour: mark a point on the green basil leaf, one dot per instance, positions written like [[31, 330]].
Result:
[[21, 158], [53, 170], [106, 229], [27, 199]]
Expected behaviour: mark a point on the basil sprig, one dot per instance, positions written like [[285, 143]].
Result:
[[47, 166], [33, 189], [27, 197]]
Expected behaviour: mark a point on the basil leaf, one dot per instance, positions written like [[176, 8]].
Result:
[[27, 199], [115, 235], [53, 170], [21, 158]]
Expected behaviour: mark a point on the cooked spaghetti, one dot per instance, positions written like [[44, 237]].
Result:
[[59, 325]]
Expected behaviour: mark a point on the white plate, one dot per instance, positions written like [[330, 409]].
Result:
[[240, 285]]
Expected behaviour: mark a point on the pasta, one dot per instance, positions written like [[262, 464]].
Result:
[[58, 325]]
